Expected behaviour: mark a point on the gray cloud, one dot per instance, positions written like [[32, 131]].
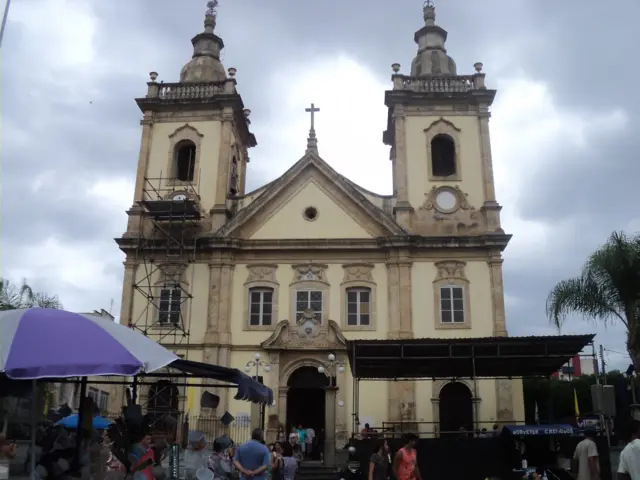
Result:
[[79, 122]]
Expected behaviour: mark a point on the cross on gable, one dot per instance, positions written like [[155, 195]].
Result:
[[312, 110]]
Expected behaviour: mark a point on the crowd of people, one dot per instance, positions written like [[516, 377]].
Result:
[[252, 460]]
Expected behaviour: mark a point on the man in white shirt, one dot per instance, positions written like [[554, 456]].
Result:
[[585, 458], [308, 438], [629, 466]]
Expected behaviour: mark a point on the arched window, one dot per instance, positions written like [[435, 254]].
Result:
[[185, 160], [443, 156], [233, 177], [260, 306], [358, 306]]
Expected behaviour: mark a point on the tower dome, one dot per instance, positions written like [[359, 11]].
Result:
[[432, 59], [205, 65]]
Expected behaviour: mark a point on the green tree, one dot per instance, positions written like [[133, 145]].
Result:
[[13, 297], [608, 289]]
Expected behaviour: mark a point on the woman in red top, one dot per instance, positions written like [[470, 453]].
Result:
[[405, 465]]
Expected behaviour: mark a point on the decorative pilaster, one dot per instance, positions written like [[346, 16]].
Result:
[[219, 210], [402, 395], [330, 426], [504, 387], [217, 341], [499, 316], [402, 209], [490, 208], [128, 291], [133, 221]]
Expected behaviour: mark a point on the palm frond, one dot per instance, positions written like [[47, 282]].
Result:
[[579, 295], [13, 297]]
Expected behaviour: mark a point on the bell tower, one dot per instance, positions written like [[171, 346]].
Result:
[[195, 134], [438, 131]]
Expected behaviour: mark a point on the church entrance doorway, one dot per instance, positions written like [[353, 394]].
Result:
[[456, 409], [306, 404]]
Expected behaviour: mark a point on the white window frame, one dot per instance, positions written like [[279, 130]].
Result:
[[309, 291], [103, 401], [358, 314], [170, 311], [451, 289], [261, 291], [93, 394]]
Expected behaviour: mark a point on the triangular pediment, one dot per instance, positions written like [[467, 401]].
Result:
[[311, 186], [288, 336]]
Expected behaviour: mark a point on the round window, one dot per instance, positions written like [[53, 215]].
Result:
[[310, 213], [446, 200]]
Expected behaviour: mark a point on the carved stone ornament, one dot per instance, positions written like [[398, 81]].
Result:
[[308, 326], [306, 334], [358, 272], [450, 269], [173, 271], [447, 211], [178, 195], [262, 273], [461, 197], [309, 273]]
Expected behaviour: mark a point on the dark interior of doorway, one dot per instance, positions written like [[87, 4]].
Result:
[[456, 409], [306, 404]]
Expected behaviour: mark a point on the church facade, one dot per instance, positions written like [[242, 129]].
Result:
[[292, 270]]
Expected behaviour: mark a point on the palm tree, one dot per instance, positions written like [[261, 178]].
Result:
[[608, 289], [13, 297]]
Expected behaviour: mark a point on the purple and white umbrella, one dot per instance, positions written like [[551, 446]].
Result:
[[46, 343]]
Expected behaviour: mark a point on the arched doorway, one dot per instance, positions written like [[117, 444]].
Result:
[[306, 403], [456, 408]]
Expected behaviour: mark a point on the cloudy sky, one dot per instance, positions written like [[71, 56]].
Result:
[[564, 125]]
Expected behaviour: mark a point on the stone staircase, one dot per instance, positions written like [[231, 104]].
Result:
[[315, 470]]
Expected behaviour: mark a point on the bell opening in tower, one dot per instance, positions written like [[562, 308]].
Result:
[[443, 156], [185, 161]]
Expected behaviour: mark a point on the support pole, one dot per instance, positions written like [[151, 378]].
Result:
[[4, 20], [34, 408], [475, 389], [598, 384]]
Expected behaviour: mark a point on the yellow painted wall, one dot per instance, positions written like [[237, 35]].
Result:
[[285, 302], [195, 316], [160, 154], [332, 221], [423, 301], [470, 158]]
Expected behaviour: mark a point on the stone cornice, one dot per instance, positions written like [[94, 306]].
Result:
[[205, 243], [411, 97], [218, 101]]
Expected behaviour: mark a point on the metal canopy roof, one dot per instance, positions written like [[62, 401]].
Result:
[[491, 357]]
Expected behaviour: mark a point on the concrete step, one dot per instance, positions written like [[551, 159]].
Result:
[[313, 470]]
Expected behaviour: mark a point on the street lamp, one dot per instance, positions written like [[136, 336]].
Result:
[[257, 363], [330, 369]]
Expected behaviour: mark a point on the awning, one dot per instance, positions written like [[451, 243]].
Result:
[[491, 357], [540, 430], [248, 388]]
